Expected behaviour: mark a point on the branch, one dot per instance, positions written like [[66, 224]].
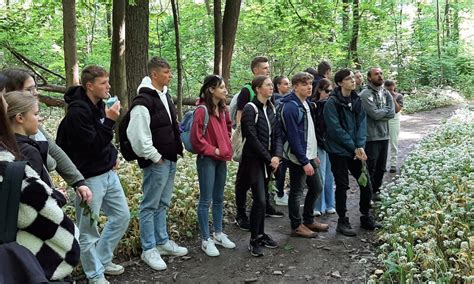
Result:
[[296, 12]]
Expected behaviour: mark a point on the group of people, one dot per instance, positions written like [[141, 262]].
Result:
[[318, 129]]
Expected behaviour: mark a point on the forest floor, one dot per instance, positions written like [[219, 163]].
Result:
[[329, 258]]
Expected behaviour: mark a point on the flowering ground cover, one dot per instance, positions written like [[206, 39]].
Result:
[[428, 211], [427, 98]]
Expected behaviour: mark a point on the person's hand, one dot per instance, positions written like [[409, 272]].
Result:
[[64, 193], [161, 161], [113, 112], [308, 169], [317, 161], [360, 154], [84, 194], [117, 165], [274, 163], [217, 152]]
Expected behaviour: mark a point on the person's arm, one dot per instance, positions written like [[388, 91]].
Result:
[[64, 166], [371, 108], [249, 131], [290, 117], [277, 138], [242, 100], [390, 106], [361, 135], [199, 142], [228, 122], [139, 134], [334, 128]]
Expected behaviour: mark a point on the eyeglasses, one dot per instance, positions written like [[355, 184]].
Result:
[[327, 91]]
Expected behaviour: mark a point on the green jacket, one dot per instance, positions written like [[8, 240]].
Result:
[[379, 106]]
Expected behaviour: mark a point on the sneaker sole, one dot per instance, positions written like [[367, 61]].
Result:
[[274, 216], [269, 246], [254, 254], [164, 253], [114, 273], [213, 255], [155, 268], [222, 245]]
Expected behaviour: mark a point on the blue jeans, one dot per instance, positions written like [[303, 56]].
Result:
[[212, 176], [97, 250], [326, 199], [158, 180]]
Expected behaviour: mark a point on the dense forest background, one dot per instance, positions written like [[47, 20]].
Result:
[[416, 42]]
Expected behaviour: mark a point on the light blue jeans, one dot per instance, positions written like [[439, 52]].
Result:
[[212, 176], [97, 250], [326, 199], [158, 180]]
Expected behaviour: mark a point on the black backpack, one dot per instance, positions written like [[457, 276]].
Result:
[[10, 190], [125, 145]]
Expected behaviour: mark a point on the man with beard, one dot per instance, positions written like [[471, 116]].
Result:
[[378, 104]]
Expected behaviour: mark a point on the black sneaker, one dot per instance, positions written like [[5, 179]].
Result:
[[255, 249], [272, 212], [267, 241], [242, 222], [368, 222], [345, 228]]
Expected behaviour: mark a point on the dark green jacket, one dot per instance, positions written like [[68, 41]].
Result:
[[346, 124]]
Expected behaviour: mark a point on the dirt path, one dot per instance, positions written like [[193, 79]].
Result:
[[330, 257]]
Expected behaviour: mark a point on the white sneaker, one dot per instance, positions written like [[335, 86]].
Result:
[[171, 248], [222, 240], [281, 201], [114, 269], [331, 211], [101, 280], [209, 248], [317, 213], [153, 259]]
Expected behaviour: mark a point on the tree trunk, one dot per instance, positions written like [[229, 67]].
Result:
[[345, 16], [208, 7], [118, 78], [455, 18], [108, 18], [438, 43], [70, 49], [229, 32], [355, 34], [447, 20], [217, 37], [179, 92], [136, 38]]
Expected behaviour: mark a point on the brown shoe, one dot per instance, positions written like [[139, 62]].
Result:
[[317, 227], [303, 231]]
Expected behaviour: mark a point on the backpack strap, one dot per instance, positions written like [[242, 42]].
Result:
[[256, 111], [252, 93], [206, 118], [10, 190]]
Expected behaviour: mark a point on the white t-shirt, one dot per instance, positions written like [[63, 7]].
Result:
[[312, 143]]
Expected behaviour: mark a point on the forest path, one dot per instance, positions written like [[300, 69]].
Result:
[[331, 257]]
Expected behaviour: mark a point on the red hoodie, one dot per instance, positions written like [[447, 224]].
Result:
[[218, 133]]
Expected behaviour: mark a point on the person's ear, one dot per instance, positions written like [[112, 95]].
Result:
[[212, 90], [19, 118]]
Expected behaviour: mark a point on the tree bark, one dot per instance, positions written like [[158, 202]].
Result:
[[136, 38], [179, 92], [118, 78], [208, 7], [108, 18], [345, 16], [70, 48], [229, 32], [217, 37], [355, 34], [441, 77]]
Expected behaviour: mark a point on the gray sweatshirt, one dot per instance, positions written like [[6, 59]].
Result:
[[378, 104]]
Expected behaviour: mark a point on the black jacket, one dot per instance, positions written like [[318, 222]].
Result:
[[319, 124], [31, 152], [165, 134], [259, 144], [85, 134]]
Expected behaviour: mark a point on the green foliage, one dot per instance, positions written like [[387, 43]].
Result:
[[428, 211], [427, 98]]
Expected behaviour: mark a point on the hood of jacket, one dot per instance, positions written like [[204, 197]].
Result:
[[146, 86], [78, 94]]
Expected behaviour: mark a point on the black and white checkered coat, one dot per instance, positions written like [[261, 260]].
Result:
[[43, 228]]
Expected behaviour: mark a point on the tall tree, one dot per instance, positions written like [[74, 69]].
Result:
[[355, 34], [217, 37], [179, 95], [70, 48], [118, 79], [136, 48], [229, 31]]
